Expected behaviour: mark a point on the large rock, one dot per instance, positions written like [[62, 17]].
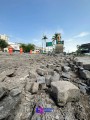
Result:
[[28, 86], [41, 72], [43, 66], [9, 73], [35, 87], [58, 69], [71, 66], [48, 80], [86, 66], [66, 75], [83, 88], [65, 91], [14, 92], [8, 106], [51, 66], [66, 68], [83, 61], [32, 75], [85, 74], [40, 79], [55, 77], [50, 71], [3, 92]]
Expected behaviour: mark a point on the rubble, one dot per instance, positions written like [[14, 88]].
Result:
[[57, 81]]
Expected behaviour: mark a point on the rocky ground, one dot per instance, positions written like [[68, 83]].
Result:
[[51, 81]]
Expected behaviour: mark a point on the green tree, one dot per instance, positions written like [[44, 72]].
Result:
[[3, 44], [78, 50], [30, 47], [23, 46], [55, 37], [27, 47]]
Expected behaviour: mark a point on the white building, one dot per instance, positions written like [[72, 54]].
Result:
[[49, 49], [4, 37], [15, 46]]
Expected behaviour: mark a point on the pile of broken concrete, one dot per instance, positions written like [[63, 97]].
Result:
[[57, 82]]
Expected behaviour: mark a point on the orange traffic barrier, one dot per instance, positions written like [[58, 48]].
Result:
[[21, 50], [30, 51], [10, 50]]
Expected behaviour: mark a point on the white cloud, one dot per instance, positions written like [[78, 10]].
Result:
[[71, 43], [82, 34]]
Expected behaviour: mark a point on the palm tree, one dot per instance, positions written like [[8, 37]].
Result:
[[44, 38], [54, 38]]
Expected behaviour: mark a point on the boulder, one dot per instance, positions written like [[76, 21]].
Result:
[[50, 71], [66, 69], [83, 61], [71, 66], [86, 66], [58, 69], [41, 72], [51, 66], [32, 75], [3, 92], [43, 66], [40, 79], [28, 86], [85, 74], [64, 91], [55, 77], [83, 88], [7, 73], [48, 80], [35, 87], [66, 75], [14, 92], [42, 86]]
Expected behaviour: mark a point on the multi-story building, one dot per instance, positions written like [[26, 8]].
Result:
[[4, 37]]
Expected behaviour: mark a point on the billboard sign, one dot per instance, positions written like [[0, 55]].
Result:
[[49, 44]]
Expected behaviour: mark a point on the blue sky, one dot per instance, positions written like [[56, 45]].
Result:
[[27, 20]]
